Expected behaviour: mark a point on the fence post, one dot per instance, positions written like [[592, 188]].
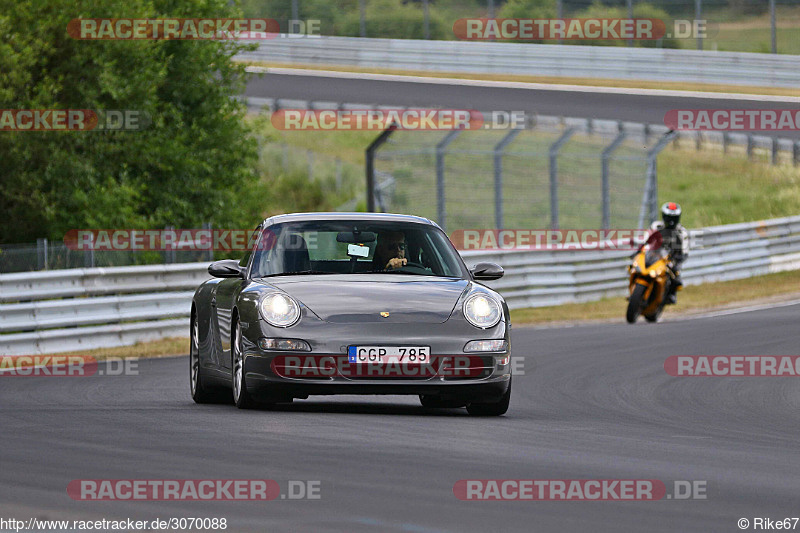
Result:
[[773, 32], [498, 176], [41, 249], [441, 146], [362, 15], [650, 196], [774, 150], [553, 152], [607, 151], [210, 252], [724, 142], [749, 146], [698, 11], [369, 157], [796, 153], [88, 255], [426, 16], [169, 250]]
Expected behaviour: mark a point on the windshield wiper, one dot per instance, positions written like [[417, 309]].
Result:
[[299, 273]]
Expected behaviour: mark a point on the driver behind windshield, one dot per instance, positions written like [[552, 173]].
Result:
[[390, 251]]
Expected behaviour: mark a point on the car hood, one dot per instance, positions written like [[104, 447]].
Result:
[[361, 298]]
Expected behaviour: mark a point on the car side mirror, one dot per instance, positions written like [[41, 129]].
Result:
[[487, 271], [227, 268]]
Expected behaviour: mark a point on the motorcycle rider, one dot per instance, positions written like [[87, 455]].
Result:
[[672, 235]]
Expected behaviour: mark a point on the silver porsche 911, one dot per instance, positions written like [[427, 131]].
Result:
[[351, 303]]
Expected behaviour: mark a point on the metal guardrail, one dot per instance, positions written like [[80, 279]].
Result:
[[655, 64], [124, 305]]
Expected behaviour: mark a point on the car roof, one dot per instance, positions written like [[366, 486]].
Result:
[[373, 217]]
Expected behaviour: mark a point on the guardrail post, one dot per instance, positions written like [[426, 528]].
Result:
[[553, 152], [606, 156], [725, 142], [498, 176], [369, 156], [441, 146], [650, 196], [749, 146], [796, 153]]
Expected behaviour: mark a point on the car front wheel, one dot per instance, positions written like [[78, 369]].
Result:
[[497, 408], [241, 397]]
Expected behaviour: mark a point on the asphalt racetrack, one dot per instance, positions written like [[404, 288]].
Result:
[[586, 102], [594, 403]]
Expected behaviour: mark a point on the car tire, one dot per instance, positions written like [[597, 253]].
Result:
[[241, 396], [197, 387], [435, 402], [497, 408]]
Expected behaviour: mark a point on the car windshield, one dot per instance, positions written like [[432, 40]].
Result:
[[355, 247]]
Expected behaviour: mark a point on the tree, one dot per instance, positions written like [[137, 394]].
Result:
[[186, 168]]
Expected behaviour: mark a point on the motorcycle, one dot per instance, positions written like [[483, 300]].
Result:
[[650, 275]]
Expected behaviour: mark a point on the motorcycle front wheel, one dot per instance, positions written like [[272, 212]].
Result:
[[635, 303]]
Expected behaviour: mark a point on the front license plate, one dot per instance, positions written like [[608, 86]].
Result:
[[413, 355]]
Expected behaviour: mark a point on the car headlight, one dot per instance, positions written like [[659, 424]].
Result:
[[482, 311], [280, 310]]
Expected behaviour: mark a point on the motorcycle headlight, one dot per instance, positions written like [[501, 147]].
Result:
[[482, 311], [280, 310]]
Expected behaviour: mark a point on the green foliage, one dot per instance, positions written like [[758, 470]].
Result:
[[188, 167], [529, 9], [641, 10], [393, 20]]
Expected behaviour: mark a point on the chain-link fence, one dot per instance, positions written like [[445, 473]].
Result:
[[556, 175]]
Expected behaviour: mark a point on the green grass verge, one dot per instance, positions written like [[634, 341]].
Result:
[[160, 348]]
